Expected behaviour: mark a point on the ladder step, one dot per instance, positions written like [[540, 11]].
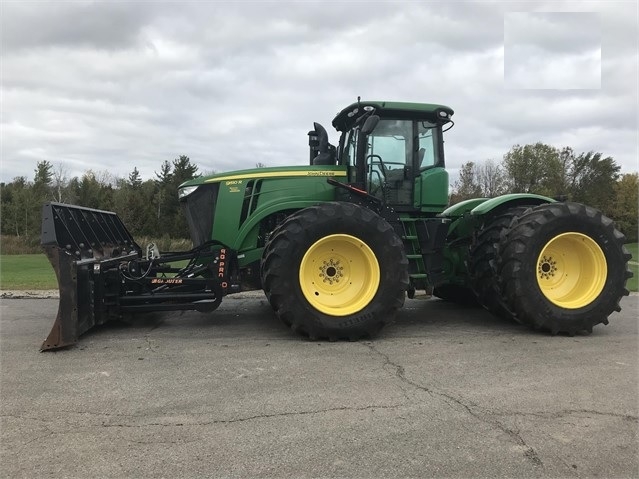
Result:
[[414, 256], [418, 276], [410, 237]]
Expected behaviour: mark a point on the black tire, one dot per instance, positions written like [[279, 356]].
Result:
[[266, 247], [481, 262], [455, 293], [290, 275], [563, 268]]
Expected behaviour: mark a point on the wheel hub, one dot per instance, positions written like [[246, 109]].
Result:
[[571, 270], [339, 275], [331, 271], [547, 267]]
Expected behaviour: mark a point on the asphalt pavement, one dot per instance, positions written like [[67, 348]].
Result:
[[445, 391]]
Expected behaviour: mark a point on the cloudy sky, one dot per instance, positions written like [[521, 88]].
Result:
[[113, 85]]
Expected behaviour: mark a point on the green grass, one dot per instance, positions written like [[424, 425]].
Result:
[[33, 271], [26, 271]]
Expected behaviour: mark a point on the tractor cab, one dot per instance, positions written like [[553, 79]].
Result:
[[392, 150]]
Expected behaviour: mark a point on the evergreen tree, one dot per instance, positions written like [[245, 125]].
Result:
[[165, 175], [135, 181], [183, 170], [164, 192], [132, 203], [42, 180], [43, 174]]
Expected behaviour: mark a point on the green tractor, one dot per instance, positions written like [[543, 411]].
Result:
[[338, 244]]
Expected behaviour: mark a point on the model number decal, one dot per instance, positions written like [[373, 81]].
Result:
[[321, 173], [233, 182]]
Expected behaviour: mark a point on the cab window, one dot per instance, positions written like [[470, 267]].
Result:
[[350, 149], [426, 151], [391, 143]]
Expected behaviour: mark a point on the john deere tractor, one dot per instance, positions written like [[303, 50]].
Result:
[[338, 244]]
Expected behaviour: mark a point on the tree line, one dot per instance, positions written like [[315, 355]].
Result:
[[147, 207], [150, 207], [590, 178]]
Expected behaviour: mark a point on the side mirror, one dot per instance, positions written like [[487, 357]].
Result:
[[370, 124]]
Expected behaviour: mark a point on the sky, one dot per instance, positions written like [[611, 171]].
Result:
[[109, 86]]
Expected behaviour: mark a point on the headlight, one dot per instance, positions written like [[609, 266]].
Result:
[[186, 191]]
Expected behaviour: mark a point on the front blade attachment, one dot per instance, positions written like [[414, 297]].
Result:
[[78, 242]]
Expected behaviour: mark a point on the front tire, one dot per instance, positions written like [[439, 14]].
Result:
[[336, 270], [563, 268]]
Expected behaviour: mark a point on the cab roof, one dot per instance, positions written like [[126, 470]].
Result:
[[427, 111]]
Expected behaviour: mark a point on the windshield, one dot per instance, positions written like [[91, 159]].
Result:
[[389, 156], [391, 141]]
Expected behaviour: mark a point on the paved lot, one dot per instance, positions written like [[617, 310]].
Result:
[[444, 392]]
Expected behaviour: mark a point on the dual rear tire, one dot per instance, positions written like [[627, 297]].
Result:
[[559, 267], [482, 257], [562, 267]]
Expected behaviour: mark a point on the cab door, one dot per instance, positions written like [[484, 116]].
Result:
[[431, 181], [389, 162]]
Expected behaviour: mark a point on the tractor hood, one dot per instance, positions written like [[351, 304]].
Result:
[[328, 171], [199, 196]]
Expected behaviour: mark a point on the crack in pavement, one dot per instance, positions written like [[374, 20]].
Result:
[[79, 429], [152, 443], [260, 416], [569, 412], [24, 418], [451, 400], [399, 370]]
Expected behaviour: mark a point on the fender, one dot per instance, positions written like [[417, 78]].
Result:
[[467, 215], [508, 201], [458, 209]]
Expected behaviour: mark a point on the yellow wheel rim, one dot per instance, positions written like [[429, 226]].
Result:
[[339, 275], [571, 270]]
